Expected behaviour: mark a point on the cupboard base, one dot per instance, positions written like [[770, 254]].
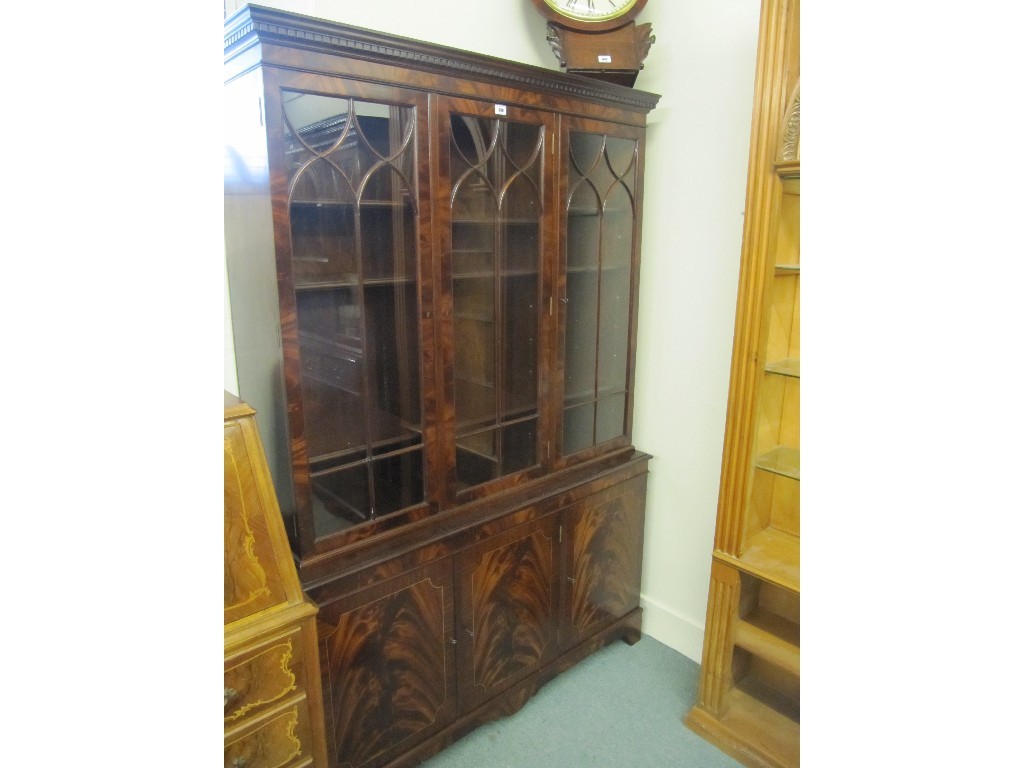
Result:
[[419, 649]]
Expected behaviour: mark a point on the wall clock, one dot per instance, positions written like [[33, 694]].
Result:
[[598, 38]]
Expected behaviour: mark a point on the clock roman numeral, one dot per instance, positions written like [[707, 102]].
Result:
[[576, 6]]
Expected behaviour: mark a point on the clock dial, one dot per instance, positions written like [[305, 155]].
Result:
[[591, 10]]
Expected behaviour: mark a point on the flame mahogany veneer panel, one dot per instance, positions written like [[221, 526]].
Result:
[[386, 655]]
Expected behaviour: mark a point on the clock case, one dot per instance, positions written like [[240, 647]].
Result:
[[608, 49]]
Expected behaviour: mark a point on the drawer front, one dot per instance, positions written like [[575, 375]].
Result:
[[281, 741], [258, 678]]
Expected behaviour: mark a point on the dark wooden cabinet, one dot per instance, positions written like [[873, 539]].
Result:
[[433, 261]]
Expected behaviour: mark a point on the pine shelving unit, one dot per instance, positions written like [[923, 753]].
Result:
[[749, 699]]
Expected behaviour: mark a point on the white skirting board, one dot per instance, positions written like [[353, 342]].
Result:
[[671, 628]]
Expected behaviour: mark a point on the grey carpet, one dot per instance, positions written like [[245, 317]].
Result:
[[622, 707]]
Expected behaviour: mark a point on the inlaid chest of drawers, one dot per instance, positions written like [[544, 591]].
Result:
[[273, 711]]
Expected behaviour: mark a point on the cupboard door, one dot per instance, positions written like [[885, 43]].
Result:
[[350, 299], [496, 191], [600, 193], [388, 660], [603, 554], [508, 609]]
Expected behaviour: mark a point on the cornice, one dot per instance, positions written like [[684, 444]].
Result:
[[252, 25]]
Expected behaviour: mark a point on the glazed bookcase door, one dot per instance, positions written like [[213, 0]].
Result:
[[494, 208], [599, 247], [350, 295]]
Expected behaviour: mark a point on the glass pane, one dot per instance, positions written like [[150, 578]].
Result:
[[578, 428], [475, 459], [474, 320], [323, 243], [583, 229], [353, 215], [520, 171], [472, 153], [611, 416], [580, 335], [519, 446], [617, 229], [398, 482], [393, 359], [497, 205], [613, 343], [472, 248], [616, 250], [345, 497], [388, 238], [341, 499], [585, 153], [621, 156], [520, 346], [332, 370]]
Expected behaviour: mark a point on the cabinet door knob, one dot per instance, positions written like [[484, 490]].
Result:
[[469, 632], [454, 641], [570, 579]]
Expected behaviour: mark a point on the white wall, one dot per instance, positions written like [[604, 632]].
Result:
[[702, 64]]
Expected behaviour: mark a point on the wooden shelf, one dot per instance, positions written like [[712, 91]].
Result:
[[485, 274], [773, 556], [391, 431], [595, 212], [790, 171], [495, 221], [772, 638], [593, 269], [783, 461], [788, 367], [571, 400], [369, 282], [377, 204]]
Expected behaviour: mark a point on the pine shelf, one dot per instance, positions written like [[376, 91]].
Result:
[[772, 638]]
